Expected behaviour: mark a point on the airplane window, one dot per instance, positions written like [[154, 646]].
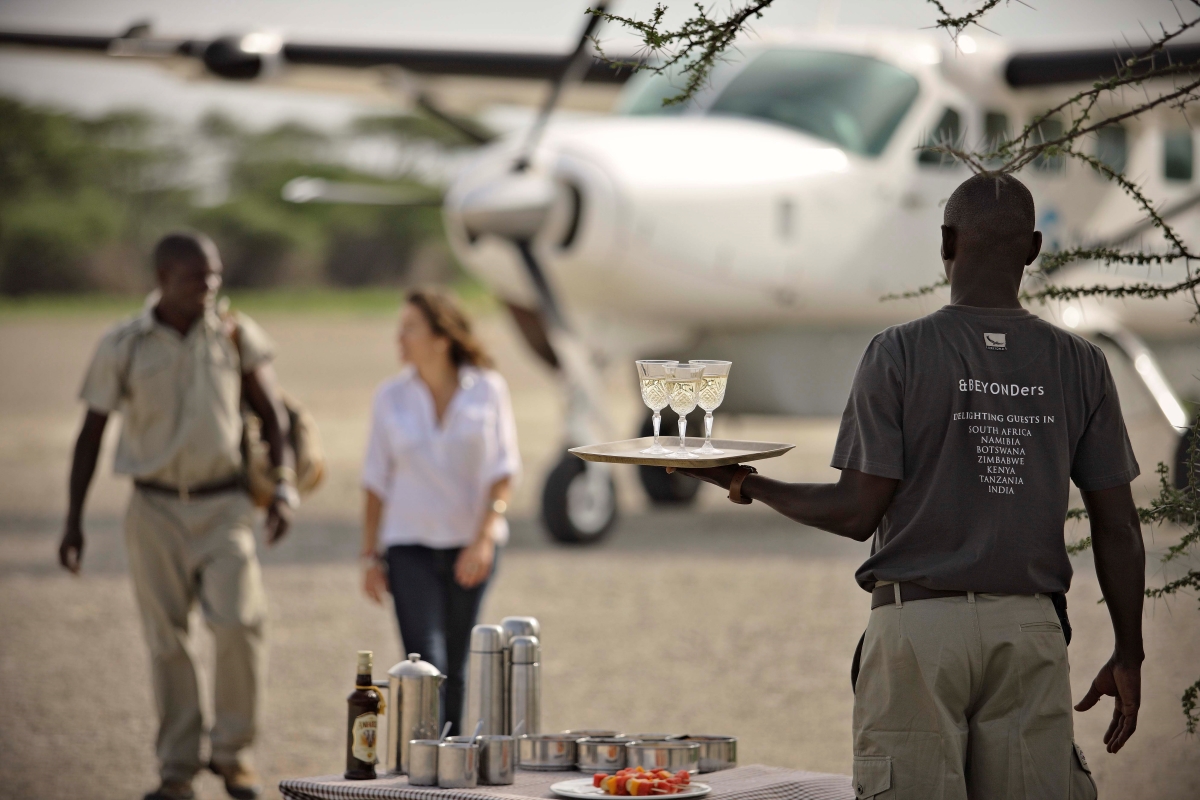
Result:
[[995, 128], [948, 131], [1177, 155], [853, 101], [1048, 130], [1112, 148]]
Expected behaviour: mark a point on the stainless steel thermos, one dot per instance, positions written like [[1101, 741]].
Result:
[[486, 695], [525, 687], [414, 708], [503, 677]]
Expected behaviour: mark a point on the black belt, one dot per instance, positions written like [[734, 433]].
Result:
[[185, 492], [886, 595]]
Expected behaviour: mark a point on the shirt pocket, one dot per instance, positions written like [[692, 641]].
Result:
[[150, 384], [872, 776]]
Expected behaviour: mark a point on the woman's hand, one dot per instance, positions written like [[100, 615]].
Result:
[[474, 562], [375, 584]]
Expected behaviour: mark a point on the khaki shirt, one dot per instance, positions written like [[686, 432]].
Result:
[[179, 396]]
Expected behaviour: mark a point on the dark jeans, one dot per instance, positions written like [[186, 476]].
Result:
[[436, 615]]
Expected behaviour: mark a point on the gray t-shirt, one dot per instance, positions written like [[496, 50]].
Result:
[[983, 415]]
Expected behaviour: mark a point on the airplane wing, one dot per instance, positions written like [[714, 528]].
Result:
[[1049, 68], [252, 55]]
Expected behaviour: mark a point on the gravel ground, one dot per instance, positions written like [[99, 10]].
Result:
[[715, 619]]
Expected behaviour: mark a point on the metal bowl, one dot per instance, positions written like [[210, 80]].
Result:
[[594, 734], [654, 737], [673, 755], [716, 752], [600, 754], [547, 751]]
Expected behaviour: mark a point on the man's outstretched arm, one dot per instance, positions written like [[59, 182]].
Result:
[[1121, 568], [852, 507], [83, 466]]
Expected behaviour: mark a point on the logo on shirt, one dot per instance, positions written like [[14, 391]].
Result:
[[995, 341]]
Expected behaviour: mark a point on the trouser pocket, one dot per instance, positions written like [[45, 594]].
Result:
[[1083, 786], [872, 776]]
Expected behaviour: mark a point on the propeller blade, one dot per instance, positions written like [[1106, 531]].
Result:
[[319, 190], [471, 132], [574, 70]]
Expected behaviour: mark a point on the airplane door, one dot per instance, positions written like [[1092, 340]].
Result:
[[910, 244]]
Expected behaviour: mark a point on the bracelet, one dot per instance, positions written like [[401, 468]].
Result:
[[372, 560], [735, 486]]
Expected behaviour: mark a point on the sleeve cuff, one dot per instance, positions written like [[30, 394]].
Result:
[[1101, 483], [843, 461]]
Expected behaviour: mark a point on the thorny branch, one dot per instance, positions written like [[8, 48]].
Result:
[[693, 49]]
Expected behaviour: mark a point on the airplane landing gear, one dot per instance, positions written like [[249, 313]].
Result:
[[673, 489], [579, 501]]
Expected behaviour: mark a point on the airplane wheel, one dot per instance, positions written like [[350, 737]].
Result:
[[673, 489], [578, 508], [1181, 460]]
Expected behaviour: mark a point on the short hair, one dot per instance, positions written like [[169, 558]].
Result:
[[183, 247], [992, 209]]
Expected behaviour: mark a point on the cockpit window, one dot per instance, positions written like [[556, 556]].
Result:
[[854, 101], [648, 90]]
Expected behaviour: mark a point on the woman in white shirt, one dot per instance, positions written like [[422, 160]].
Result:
[[441, 458]]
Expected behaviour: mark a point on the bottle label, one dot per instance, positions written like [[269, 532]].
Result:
[[364, 732]]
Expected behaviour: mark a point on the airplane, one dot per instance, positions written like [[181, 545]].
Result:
[[762, 221]]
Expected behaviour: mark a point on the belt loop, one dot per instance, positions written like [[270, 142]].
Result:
[[899, 602], [183, 493], [971, 597]]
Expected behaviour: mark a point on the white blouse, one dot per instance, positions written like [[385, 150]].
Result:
[[435, 481]]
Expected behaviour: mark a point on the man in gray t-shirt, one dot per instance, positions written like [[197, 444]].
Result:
[[960, 437]]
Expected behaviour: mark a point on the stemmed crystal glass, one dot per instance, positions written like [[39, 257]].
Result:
[[712, 393], [683, 388], [652, 376]]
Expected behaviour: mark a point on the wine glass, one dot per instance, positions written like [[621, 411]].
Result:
[[712, 392], [652, 375], [683, 389]]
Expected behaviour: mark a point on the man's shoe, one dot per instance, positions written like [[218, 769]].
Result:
[[242, 783], [172, 790]]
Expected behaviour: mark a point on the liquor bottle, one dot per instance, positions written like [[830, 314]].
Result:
[[363, 723]]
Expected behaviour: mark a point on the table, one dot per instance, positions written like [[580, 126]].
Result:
[[752, 782]]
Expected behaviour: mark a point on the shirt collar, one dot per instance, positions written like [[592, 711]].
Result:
[[146, 321]]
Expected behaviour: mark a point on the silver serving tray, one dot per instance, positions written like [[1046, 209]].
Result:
[[626, 451]]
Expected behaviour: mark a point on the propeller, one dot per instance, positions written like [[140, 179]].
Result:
[[516, 204], [574, 70]]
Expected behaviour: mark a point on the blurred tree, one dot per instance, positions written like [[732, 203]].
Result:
[[73, 188], [85, 200]]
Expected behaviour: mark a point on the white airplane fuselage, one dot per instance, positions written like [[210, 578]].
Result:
[[677, 229]]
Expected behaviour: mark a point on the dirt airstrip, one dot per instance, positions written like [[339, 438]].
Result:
[[714, 619]]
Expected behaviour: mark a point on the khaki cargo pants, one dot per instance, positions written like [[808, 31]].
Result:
[[202, 550], [966, 697]]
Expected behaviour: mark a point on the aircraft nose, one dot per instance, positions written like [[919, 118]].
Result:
[[513, 205]]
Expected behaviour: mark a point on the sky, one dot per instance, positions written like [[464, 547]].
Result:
[[93, 87]]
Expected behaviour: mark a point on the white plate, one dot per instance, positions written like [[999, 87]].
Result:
[[582, 789]]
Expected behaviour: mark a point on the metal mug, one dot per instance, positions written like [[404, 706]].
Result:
[[458, 765], [423, 762], [496, 760]]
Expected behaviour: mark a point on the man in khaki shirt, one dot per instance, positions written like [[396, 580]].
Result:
[[178, 373]]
